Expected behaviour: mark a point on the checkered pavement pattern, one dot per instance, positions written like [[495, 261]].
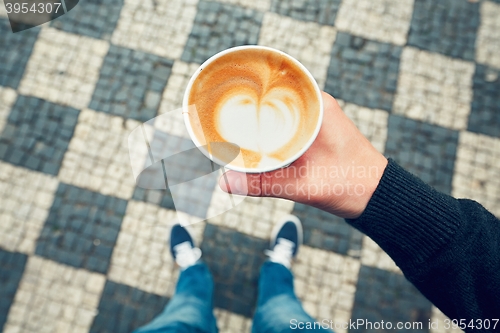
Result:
[[83, 248]]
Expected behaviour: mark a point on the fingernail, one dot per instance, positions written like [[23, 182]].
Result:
[[237, 185], [231, 182]]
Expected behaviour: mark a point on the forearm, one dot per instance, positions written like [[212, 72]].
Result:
[[448, 248]]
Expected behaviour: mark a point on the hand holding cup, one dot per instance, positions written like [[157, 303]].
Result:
[[338, 173]]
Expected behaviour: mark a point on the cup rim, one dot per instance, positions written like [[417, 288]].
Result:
[[288, 161]]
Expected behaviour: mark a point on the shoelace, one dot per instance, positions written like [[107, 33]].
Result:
[[282, 252], [186, 255]]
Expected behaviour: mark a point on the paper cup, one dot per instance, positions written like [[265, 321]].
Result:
[[190, 110]]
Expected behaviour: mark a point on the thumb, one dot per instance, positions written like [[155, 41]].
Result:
[[252, 184]]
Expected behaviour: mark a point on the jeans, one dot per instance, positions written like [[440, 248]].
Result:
[[191, 308]]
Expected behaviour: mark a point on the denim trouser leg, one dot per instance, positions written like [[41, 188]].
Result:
[[191, 308], [277, 305]]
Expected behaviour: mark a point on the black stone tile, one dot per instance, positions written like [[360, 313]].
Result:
[[328, 232], [320, 11], [123, 309], [363, 72], [93, 18], [37, 134], [383, 295], [234, 260], [82, 228], [15, 51], [219, 26], [131, 83], [191, 177], [426, 150], [485, 108], [12, 268], [448, 27]]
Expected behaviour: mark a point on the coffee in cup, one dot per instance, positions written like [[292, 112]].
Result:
[[261, 100]]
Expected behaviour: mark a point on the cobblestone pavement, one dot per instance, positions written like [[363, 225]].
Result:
[[83, 248]]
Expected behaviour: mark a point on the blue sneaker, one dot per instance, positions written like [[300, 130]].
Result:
[[286, 238], [182, 247]]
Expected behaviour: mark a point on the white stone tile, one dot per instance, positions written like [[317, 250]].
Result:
[[141, 257], [488, 35], [98, 158], [8, 97], [158, 27], [262, 5], [229, 322], [325, 282], [382, 20], [138, 140], [169, 118], [372, 255], [64, 68], [249, 215], [26, 200], [372, 123], [308, 42], [52, 296], [176, 85], [434, 88], [440, 323], [170, 122], [477, 170]]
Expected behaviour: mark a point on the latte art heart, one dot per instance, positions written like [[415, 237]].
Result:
[[259, 100], [263, 124]]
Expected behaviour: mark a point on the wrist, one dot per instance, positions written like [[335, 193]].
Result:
[[379, 165], [367, 180]]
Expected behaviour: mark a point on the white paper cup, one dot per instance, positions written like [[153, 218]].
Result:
[[188, 111]]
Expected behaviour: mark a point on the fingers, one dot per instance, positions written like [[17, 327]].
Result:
[[252, 184], [328, 100], [234, 182]]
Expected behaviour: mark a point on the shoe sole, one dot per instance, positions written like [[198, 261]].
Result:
[[277, 228]]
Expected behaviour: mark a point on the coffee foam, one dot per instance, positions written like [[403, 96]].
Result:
[[259, 100]]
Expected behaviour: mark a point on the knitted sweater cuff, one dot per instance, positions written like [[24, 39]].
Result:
[[409, 219]]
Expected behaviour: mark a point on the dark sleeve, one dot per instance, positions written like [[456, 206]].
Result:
[[448, 248]]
